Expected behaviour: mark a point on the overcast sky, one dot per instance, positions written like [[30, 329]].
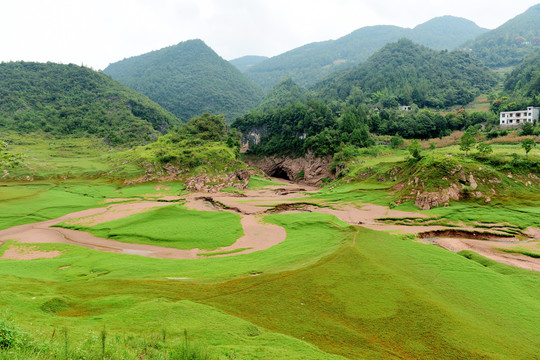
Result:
[[98, 32]]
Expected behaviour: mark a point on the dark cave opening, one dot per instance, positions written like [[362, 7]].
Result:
[[279, 172]]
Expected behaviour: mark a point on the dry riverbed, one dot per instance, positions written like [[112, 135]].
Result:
[[258, 235]]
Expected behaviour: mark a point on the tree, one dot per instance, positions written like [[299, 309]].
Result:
[[528, 145], [527, 129], [360, 137], [208, 127], [484, 148], [396, 141], [467, 143], [414, 149]]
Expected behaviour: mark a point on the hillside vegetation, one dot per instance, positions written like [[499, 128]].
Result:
[[285, 93], [74, 100], [245, 62], [188, 79], [404, 73], [313, 62], [525, 78], [510, 43]]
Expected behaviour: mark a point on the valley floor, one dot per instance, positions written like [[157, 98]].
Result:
[[278, 271]]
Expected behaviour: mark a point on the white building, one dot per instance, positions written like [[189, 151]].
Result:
[[405, 108], [513, 118]]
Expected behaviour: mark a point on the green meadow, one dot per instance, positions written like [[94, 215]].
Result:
[[171, 226], [329, 291], [367, 294]]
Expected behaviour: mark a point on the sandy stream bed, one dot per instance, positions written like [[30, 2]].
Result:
[[257, 234]]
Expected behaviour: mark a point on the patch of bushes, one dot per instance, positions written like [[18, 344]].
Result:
[[10, 335]]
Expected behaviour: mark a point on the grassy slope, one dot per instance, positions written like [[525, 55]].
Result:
[[23, 203], [80, 158], [382, 297], [313, 236], [378, 297], [171, 226], [408, 300]]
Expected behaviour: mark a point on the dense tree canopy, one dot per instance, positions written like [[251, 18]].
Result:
[[189, 79], [510, 43], [525, 78], [313, 62], [285, 93], [297, 128], [404, 73], [70, 99]]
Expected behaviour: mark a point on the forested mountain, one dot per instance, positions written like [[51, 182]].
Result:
[[313, 62], [525, 78], [404, 73], [285, 93], [245, 62], [510, 43], [189, 79], [70, 99]]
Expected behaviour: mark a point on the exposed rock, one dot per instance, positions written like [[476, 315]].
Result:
[[212, 184], [314, 168], [252, 137], [473, 183], [429, 199]]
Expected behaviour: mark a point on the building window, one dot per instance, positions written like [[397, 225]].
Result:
[[502, 115]]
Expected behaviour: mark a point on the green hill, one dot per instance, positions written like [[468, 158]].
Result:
[[510, 43], [525, 78], [188, 79], [245, 62], [70, 99], [285, 93], [313, 62], [405, 73]]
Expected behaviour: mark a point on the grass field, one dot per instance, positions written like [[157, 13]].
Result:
[[329, 291], [172, 226], [369, 295]]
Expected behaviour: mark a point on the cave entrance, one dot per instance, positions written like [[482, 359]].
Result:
[[279, 172]]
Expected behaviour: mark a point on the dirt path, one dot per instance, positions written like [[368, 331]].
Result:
[[489, 249], [257, 234]]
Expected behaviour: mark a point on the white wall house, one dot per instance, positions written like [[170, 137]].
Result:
[[513, 118]]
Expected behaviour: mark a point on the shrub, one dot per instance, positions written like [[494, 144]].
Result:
[[10, 335], [396, 141]]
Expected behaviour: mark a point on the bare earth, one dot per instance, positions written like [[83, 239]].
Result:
[[257, 234]]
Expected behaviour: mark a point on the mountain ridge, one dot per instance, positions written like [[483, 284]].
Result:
[[510, 43], [312, 62], [188, 79], [70, 99]]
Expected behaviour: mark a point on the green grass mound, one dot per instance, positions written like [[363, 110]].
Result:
[[24, 203], [172, 226], [310, 236]]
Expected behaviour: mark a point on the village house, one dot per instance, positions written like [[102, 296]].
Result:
[[514, 118], [405, 108]]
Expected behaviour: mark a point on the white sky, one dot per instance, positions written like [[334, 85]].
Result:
[[98, 32]]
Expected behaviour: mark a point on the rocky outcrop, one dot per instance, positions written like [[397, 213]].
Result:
[[252, 137], [429, 199], [308, 169], [212, 184]]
